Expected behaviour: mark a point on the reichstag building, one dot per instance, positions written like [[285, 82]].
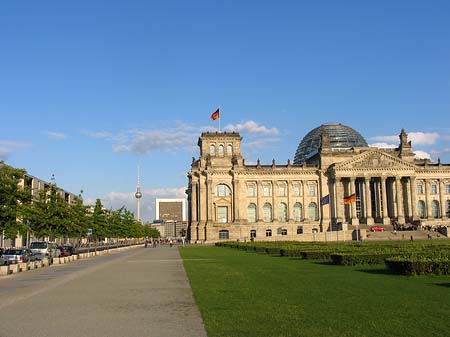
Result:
[[336, 184]]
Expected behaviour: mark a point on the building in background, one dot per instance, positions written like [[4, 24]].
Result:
[[172, 213], [336, 183], [35, 185]]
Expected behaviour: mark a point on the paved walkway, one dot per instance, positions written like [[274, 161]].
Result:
[[138, 293]]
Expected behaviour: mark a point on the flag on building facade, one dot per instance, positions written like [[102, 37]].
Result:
[[351, 198], [325, 200], [215, 115]]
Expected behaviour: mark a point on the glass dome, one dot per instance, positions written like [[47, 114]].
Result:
[[340, 137]]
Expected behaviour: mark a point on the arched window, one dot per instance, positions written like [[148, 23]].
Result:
[[421, 209], [298, 212], [220, 150], [313, 212], [251, 213], [435, 209], [282, 212], [224, 235], [230, 149], [223, 190], [212, 149], [267, 212]]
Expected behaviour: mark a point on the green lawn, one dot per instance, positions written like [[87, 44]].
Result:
[[246, 294]]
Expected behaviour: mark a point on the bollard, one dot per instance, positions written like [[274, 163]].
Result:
[[23, 266], [4, 270]]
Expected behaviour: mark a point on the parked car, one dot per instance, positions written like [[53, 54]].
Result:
[[377, 229], [16, 255], [67, 250], [44, 249]]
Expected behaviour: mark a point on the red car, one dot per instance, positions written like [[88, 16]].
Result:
[[376, 229]]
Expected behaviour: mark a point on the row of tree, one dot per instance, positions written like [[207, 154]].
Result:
[[48, 214]]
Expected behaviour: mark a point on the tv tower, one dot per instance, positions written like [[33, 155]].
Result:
[[138, 195]]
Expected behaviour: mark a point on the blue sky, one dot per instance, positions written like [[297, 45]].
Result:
[[90, 88]]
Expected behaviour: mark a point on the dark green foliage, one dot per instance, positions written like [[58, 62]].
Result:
[[414, 265]]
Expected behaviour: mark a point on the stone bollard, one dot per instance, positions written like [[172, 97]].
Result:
[[31, 265], [38, 263], [55, 260], [13, 268], [45, 263], [23, 266], [4, 270]]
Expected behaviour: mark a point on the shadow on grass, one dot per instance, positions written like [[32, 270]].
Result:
[[376, 271], [446, 285]]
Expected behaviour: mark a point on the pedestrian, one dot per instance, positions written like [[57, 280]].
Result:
[[146, 243]]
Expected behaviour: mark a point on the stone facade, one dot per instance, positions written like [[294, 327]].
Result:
[[229, 200]]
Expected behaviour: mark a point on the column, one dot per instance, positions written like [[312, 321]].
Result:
[[414, 215], [194, 211], [203, 201], [368, 202], [428, 199], [354, 219], [441, 198], [259, 207], [304, 199], [339, 201], [386, 220], [235, 206], [407, 187], [400, 212]]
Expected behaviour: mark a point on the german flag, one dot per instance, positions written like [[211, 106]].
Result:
[[215, 115], [351, 198]]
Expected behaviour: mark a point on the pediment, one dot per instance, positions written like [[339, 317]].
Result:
[[374, 160]]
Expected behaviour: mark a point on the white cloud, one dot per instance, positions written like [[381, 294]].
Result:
[[7, 147], [116, 200], [98, 134], [181, 136], [383, 145], [423, 138], [416, 138], [56, 135], [386, 139], [422, 155], [251, 127]]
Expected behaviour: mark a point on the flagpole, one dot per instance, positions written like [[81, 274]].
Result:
[[219, 117]]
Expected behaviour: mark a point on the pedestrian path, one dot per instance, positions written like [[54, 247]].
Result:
[[144, 292]]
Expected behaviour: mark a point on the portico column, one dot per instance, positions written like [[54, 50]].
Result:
[[428, 199], [203, 201], [259, 210], [386, 220], [194, 211], [354, 218], [304, 199], [368, 202], [400, 213], [441, 198], [339, 204], [413, 199], [408, 213], [235, 205]]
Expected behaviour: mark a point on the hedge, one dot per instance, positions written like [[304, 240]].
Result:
[[419, 266]]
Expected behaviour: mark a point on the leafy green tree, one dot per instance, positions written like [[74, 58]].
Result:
[[99, 221], [151, 232], [13, 201], [50, 215], [79, 219]]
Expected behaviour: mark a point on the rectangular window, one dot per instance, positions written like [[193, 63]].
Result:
[[251, 191], [447, 188], [266, 190], [312, 190], [268, 232], [296, 191], [419, 189], [284, 232], [222, 214], [433, 189], [224, 235], [299, 229], [282, 191]]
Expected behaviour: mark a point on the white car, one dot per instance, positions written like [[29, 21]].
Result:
[[44, 249]]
